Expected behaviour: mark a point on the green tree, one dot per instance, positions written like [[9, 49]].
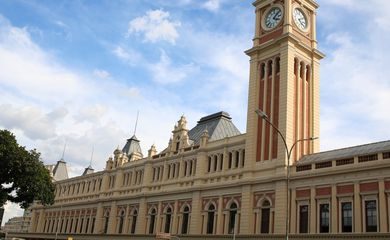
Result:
[[23, 177]]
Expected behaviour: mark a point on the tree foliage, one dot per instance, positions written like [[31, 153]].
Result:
[[23, 177]]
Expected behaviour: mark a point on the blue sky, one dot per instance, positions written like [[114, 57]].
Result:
[[78, 71]]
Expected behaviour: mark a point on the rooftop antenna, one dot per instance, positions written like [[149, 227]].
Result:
[[63, 152], [136, 123], [90, 162]]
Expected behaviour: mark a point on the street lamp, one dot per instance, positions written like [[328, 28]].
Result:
[[264, 116]]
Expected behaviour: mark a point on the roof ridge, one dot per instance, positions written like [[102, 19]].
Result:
[[344, 148], [214, 116]]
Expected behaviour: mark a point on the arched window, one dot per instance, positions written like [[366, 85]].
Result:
[[215, 163], [210, 219], [308, 73], [269, 68], [186, 216], [185, 168], [303, 70], [106, 219], [265, 216], [243, 158], [237, 159], [87, 226], [77, 223], [168, 216], [209, 165], [121, 221], [93, 225], [232, 218], [152, 220], [277, 65], [230, 160], [262, 71], [220, 162], [133, 221]]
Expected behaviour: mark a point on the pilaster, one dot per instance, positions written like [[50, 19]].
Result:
[[141, 219], [246, 223], [112, 218], [196, 217], [357, 209]]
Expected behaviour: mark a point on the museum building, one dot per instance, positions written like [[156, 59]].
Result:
[[213, 180]]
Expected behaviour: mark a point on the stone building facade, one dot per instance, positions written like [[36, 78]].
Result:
[[214, 180]]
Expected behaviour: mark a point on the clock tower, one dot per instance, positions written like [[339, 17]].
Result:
[[284, 82]]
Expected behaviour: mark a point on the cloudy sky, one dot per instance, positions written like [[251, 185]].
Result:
[[78, 71]]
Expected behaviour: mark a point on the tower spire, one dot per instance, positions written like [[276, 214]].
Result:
[[90, 162], [63, 151], [136, 123]]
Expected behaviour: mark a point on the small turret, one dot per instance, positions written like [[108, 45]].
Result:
[[152, 151], [109, 164], [204, 138]]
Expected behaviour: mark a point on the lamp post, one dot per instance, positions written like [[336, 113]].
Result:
[[264, 116]]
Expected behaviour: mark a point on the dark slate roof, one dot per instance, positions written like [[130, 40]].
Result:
[[348, 152], [88, 170], [219, 125], [132, 145]]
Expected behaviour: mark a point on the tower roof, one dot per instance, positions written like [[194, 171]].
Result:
[[88, 170], [219, 125], [60, 171], [341, 153], [132, 145]]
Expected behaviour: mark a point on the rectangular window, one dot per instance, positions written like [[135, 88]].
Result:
[[303, 218], [346, 217], [371, 216], [324, 218]]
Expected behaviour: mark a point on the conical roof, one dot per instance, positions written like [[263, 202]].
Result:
[[132, 145], [88, 170]]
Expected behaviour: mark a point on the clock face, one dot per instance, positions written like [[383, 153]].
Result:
[[273, 17], [300, 18]]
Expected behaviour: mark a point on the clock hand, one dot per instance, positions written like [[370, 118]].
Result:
[[277, 16]]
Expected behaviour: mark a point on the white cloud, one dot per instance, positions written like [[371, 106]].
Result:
[[130, 92], [165, 72], [355, 88], [100, 73], [30, 71], [129, 56], [31, 120], [212, 5], [91, 113], [155, 26], [11, 210]]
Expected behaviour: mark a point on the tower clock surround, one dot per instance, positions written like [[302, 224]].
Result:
[[273, 17]]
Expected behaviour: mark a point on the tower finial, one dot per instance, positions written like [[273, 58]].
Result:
[[136, 123], [90, 162], [63, 152]]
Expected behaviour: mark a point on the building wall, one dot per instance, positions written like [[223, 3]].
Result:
[[113, 207]]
